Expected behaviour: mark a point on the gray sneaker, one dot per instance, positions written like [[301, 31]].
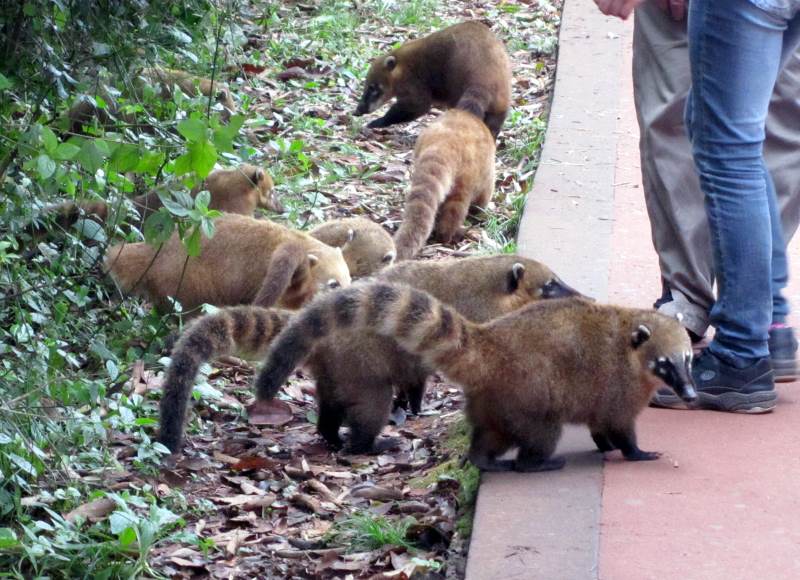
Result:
[[783, 354]]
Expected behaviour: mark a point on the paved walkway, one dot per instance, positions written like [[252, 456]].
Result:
[[723, 502]]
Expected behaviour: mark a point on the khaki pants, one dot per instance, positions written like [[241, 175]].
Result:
[[674, 201]]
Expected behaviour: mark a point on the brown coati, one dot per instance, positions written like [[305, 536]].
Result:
[[464, 66], [247, 261], [524, 374], [453, 173], [366, 246], [247, 330], [190, 85], [239, 190], [84, 110], [356, 371]]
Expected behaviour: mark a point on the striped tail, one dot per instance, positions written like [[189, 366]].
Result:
[[475, 100], [430, 184], [245, 329], [416, 320]]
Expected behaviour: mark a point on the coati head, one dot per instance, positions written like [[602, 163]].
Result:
[[328, 268], [366, 246], [665, 350], [379, 86], [267, 198], [246, 180]]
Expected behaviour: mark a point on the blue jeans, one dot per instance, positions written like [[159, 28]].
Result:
[[736, 50]]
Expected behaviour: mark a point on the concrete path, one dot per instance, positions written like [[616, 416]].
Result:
[[723, 502]]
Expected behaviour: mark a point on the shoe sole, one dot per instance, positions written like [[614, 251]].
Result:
[[785, 370], [752, 403]]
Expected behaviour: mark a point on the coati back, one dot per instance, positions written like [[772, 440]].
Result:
[[366, 246], [239, 190], [356, 372], [84, 110], [464, 66], [190, 85], [453, 172], [247, 261], [246, 330], [524, 374]]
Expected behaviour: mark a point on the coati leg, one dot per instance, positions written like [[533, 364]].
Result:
[[601, 440], [482, 197], [411, 390], [624, 439], [484, 448], [450, 222], [368, 416], [400, 113], [330, 417], [535, 453], [284, 268], [494, 121]]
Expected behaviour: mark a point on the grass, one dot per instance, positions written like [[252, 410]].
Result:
[[365, 531], [466, 474]]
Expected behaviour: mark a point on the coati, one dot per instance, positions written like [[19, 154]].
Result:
[[463, 66], [366, 246], [248, 330], [239, 190], [356, 371], [190, 85], [247, 261], [523, 374], [453, 172], [84, 110]]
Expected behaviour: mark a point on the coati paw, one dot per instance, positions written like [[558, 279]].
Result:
[[384, 444], [492, 465], [640, 455], [550, 464]]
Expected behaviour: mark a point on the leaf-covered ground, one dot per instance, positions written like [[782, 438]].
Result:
[[259, 495]]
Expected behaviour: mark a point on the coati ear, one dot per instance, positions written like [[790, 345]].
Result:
[[351, 235], [313, 260], [640, 336], [390, 62], [388, 258], [258, 175], [679, 316], [515, 276]]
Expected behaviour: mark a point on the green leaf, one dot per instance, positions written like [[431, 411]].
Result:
[[23, 464], [174, 207], [202, 200], [194, 130], [49, 140], [125, 158], [120, 520], [145, 421], [127, 537], [5, 83], [158, 227], [8, 539], [5, 439], [66, 151], [90, 230], [90, 157], [207, 226], [45, 166], [192, 243], [113, 371]]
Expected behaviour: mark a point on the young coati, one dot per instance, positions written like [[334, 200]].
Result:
[[463, 66], [247, 330], [453, 172], [366, 246], [247, 261], [356, 371], [239, 190], [524, 374], [84, 110]]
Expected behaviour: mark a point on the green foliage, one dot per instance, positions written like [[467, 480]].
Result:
[[365, 531], [67, 345]]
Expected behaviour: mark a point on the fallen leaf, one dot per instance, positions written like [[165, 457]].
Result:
[[375, 492], [272, 412], [248, 502], [94, 511]]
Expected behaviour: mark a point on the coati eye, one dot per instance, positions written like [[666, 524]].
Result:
[[333, 284], [388, 258]]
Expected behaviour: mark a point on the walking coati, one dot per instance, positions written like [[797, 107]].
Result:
[[464, 66], [247, 261], [453, 173], [524, 374], [356, 371], [365, 245]]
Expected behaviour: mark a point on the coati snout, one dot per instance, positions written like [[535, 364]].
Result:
[[674, 370]]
